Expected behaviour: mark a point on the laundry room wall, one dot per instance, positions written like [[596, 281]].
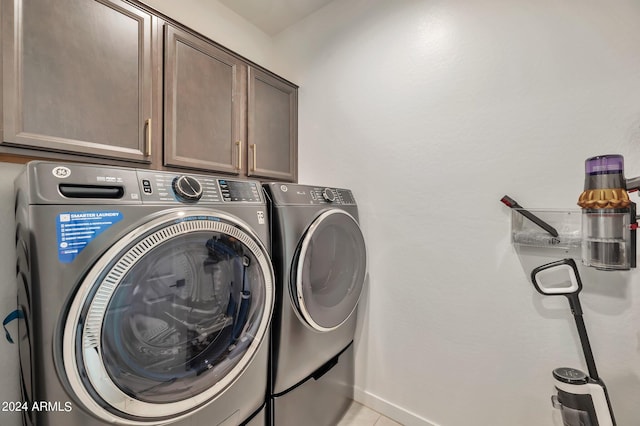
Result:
[[431, 111]]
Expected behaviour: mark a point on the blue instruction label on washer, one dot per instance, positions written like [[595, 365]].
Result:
[[76, 230]]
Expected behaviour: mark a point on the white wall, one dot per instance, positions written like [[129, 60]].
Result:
[[431, 111]]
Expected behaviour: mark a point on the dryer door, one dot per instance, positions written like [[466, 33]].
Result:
[[168, 318], [329, 270]]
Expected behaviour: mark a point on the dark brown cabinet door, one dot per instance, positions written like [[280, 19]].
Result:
[[272, 127], [204, 99], [78, 77]]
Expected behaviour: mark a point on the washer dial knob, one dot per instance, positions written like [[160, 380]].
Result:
[[329, 195], [187, 188]]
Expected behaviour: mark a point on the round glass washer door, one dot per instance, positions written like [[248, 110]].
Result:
[[329, 270], [168, 318]]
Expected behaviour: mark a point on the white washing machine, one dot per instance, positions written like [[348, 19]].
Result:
[[320, 261], [146, 297]]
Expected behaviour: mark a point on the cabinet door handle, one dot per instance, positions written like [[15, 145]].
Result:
[[147, 148], [239, 151], [254, 165]]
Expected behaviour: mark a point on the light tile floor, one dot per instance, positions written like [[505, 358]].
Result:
[[359, 415]]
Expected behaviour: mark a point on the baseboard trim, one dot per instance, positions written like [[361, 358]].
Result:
[[390, 409]]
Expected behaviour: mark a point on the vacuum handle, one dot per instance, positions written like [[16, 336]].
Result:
[[545, 283], [632, 184]]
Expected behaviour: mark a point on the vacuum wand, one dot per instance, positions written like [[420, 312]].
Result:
[[576, 310]]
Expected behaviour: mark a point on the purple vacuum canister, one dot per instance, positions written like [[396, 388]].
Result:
[[608, 215], [604, 164]]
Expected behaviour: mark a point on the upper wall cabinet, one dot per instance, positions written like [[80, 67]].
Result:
[[224, 115], [77, 77], [113, 81], [272, 127], [204, 101]]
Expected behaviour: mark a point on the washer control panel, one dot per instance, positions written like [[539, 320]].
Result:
[[191, 189], [87, 183], [234, 190]]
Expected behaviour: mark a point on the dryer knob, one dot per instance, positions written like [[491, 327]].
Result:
[[328, 195], [187, 188]]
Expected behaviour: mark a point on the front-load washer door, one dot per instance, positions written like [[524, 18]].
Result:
[[168, 318], [329, 270]]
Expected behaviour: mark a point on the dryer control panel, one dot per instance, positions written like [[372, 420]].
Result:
[[294, 194]]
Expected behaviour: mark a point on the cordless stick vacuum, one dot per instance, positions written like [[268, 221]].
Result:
[[609, 225], [582, 399]]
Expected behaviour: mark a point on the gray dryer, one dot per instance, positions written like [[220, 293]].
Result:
[[320, 261]]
